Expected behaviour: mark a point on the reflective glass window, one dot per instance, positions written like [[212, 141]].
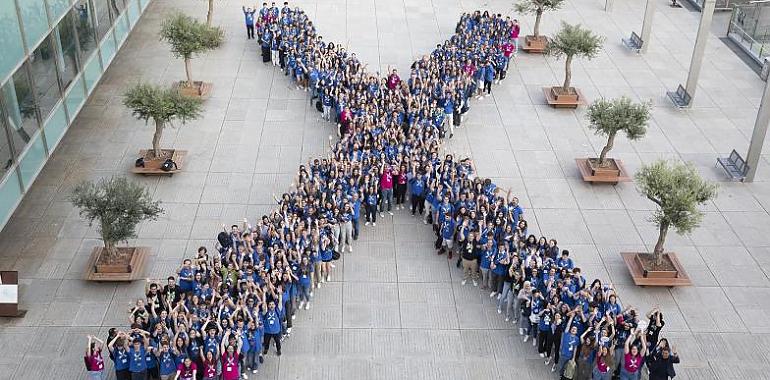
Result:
[[10, 38], [67, 51], [34, 18], [85, 28], [21, 111], [44, 74]]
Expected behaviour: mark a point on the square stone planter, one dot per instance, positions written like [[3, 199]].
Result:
[[127, 266], [644, 274], [152, 164], [593, 173]]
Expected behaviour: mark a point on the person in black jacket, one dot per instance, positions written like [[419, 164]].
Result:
[[661, 363]]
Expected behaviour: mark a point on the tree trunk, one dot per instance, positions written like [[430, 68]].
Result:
[[607, 148], [156, 138], [657, 254], [109, 245], [567, 73], [210, 15], [188, 71], [538, 16]]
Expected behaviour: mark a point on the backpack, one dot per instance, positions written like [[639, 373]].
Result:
[[168, 165], [335, 255], [224, 239], [319, 106], [139, 163]]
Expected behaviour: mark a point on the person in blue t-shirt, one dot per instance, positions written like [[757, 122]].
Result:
[[118, 347], [137, 356], [271, 319], [166, 361], [569, 344], [248, 15]]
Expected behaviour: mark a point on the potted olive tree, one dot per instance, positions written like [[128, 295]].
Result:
[[535, 43], [608, 118], [189, 37], [677, 190], [116, 205], [571, 41], [163, 106]]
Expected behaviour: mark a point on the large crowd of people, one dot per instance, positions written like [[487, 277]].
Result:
[[220, 314]]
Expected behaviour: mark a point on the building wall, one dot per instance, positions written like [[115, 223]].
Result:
[[52, 54]]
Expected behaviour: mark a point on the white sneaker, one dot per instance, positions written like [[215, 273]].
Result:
[[307, 306], [390, 212], [521, 331], [301, 304], [333, 266], [553, 369], [534, 342], [475, 283], [293, 317], [547, 360], [366, 224], [311, 294], [374, 224], [463, 283], [492, 294], [382, 214], [499, 295], [526, 338], [424, 221], [245, 376], [542, 355], [507, 319], [328, 278], [288, 331], [350, 248], [254, 371], [499, 311]]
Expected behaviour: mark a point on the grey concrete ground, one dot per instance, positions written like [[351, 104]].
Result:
[[395, 309]]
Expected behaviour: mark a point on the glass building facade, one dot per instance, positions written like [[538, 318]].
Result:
[[52, 54]]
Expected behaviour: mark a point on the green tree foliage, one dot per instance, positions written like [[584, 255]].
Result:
[[537, 7], [189, 37], [608, 117], [678, 190], [573, 41], [162, 105], [117, 205]]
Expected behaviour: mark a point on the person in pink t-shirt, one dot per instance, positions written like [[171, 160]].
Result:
[[386, 188], [186, 370], [210, 366], [93, 358], [230, 357], [633, 356], [515, 30]]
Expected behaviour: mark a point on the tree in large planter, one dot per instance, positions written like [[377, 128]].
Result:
[[608, 118], [117, 206], [163, 106], [572, 41], [189, 37], [536, 43], [678, 190]]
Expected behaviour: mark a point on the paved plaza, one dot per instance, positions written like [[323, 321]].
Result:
[[396, 310]]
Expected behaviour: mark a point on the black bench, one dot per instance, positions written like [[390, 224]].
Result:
[[634, 42], [680, 97], [734, 165]]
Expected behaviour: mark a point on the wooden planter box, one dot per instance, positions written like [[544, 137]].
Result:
[[613, 174], [672, 275], [197, 90], [128, 267], [152, 165], [559, 99], [534, 45]]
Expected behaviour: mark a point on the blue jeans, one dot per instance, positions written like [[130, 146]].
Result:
[[304, 292], [355, 229], [387, 195]]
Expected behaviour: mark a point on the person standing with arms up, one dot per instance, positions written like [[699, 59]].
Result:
[[248, 14]]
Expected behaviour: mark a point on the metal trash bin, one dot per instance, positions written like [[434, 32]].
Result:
[[765, 68]]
